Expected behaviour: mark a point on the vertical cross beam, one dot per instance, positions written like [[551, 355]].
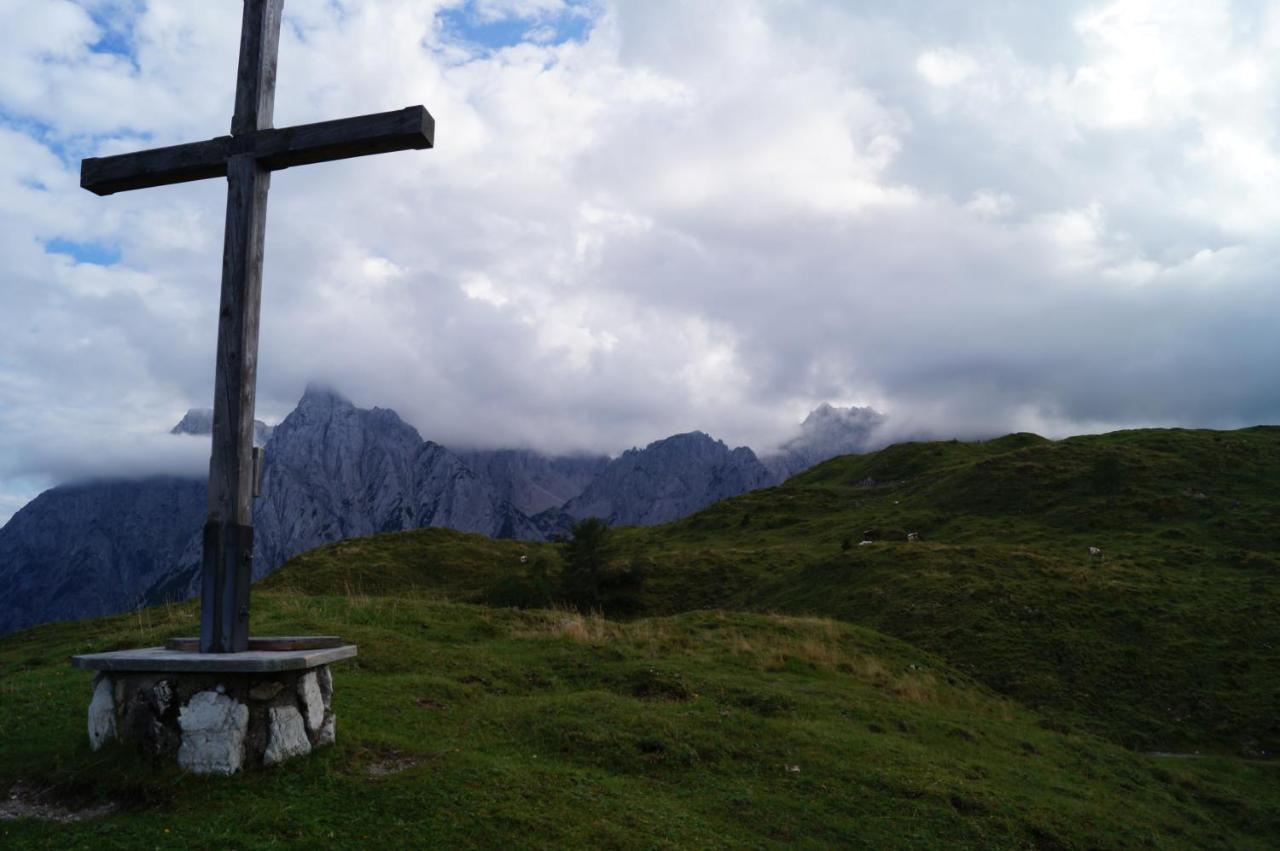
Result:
[[226, 569]]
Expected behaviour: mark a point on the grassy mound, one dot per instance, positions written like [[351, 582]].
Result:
[[461, 726], [1168, 641], [991, 684]]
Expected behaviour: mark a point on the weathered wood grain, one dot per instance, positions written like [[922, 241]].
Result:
[[229, 532], [378, 133], [231, 468], [276, 643], [256, 71]]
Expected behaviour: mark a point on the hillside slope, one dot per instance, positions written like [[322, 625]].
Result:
[[1170, 640], [461, 726]]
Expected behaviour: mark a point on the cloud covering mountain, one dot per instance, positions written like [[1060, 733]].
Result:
[[646, 216]]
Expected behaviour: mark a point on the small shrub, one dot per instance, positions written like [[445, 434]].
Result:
[[535, 588], [1106, 474], [586, 556]]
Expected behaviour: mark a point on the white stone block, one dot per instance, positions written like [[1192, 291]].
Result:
[[213, 728], [325, 677], [312, 701], [287, 736], [102, 714], [327, 734]]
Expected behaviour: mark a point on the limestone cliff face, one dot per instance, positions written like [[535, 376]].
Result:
[[532, 482], [335, 471], [94, 548], [667, 480]]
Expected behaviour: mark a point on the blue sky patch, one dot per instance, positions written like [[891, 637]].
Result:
[[116, 24], [96, 253], [46, 135], [69, 149], [464, 23]]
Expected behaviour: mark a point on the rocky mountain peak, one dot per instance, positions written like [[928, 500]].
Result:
[[199, 421], [668, 479], [195, 421], [320, 395], [826, 432]]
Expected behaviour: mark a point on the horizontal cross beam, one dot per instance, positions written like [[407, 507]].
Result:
[[380, 133]]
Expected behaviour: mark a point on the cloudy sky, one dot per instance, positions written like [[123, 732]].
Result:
[[644, 217]]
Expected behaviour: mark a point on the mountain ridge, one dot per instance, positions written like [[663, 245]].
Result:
[[332, 471]]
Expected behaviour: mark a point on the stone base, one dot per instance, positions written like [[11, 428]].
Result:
[[252, 713]]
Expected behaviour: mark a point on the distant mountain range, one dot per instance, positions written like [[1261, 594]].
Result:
[[335, 471]]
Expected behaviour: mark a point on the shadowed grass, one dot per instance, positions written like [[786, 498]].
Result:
[[1169, 641], [462, 726]]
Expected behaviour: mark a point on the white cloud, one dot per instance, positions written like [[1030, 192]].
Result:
[[988, 204], [945, 67], [699, 216]]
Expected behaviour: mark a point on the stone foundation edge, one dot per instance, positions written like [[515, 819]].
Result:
[[215, 723]]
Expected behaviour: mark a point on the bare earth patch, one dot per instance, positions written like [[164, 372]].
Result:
[[385, 767], [27, 802]]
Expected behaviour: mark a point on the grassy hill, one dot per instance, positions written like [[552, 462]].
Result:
[[773, 682], [462, 726], [1170, 641]]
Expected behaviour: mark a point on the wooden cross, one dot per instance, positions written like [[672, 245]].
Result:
[[246, 158]]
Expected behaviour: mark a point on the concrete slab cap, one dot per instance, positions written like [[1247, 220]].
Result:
[[251, 662]]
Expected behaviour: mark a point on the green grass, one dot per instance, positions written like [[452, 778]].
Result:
[[1170, 642], [990, 685], [461, 726]]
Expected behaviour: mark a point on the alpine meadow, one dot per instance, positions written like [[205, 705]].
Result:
[[639, 424], [765, 683]]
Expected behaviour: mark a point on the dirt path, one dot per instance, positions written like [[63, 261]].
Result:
[[25, 802]]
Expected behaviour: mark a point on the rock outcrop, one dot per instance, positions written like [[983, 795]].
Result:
[[531, 482], [199, 421], [335, 471], [667, 480], [827, 432], [96, 548]]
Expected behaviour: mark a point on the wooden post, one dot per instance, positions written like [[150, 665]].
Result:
[[227, 566]]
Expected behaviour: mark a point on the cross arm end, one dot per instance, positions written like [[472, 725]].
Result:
[[156, 167]]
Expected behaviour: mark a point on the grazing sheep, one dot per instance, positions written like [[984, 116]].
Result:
[[524, 559], [913, 536], [1094, 552]]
